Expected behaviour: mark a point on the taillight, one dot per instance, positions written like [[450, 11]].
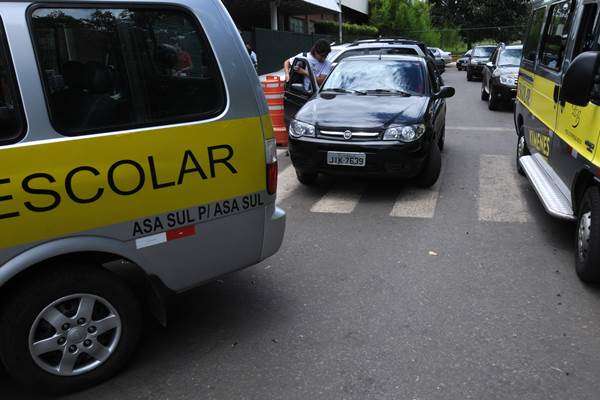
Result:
[[271, 153]]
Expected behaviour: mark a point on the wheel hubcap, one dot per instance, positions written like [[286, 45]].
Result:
[[583, 235], [74, 335]]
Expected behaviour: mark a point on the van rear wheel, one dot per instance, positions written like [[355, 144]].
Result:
[[69, 328], [587, 243], [522, 150]]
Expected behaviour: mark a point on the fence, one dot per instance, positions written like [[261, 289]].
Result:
[[273, 47]]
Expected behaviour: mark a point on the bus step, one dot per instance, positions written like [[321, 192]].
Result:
[[554, 201]]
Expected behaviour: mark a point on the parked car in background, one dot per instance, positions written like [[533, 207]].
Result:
[[479, 57], [444, 55], [374, 115], [500, 74], [462, 62]]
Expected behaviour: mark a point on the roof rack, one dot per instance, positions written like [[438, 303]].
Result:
[[382, 39]]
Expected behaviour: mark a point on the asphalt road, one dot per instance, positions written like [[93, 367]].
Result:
[[380, 291]]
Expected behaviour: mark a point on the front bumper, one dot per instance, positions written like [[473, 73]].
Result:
[[393, 159], [504, 92], [475, 69]]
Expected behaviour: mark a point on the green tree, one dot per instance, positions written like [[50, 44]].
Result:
[[499, 20], [409, 18]]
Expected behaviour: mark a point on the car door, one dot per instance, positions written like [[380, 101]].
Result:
[[438, 106], [577, 126], [297, 92], [549, 69]]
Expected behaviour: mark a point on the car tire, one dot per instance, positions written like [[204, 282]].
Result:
[[469, 75], [587, 238], [484, 95], [493, 100], [306, 178], [431, 172], [522, 150], [112, 329], [442, 140]]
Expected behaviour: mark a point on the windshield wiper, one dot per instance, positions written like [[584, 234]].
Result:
[[342, 90], [390, 91]]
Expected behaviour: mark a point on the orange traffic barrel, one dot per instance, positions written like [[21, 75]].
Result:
[[274, 88]]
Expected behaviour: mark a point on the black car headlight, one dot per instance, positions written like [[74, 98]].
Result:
[[299, 129], [404, 133]]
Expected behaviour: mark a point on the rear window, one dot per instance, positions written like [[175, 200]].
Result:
[[407, 51], [110, 68], [366, 75], [12, 121]]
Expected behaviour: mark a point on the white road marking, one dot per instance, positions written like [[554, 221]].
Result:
[[287, 183], [417, 203], [342, 198], [479, 128], [500, 197]]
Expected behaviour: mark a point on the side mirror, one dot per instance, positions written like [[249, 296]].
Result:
[[299, 88], [489, 64], [578, 81], [445, 92]]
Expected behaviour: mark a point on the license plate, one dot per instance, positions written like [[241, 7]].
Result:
[[346, 159]]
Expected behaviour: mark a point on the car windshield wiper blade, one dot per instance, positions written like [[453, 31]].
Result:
[[389, 91], [343, 90]]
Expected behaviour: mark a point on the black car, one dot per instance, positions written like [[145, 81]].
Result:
[[479, 57], [500, 75], [462, 62], [374, 115]]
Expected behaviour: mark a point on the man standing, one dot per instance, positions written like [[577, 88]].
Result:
[[317, 58]]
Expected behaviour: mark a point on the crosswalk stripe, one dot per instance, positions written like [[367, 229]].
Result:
[[342, 198], [500, 198], [286, 183], [416, 203]]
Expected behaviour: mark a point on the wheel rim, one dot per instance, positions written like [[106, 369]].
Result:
[[583, 235], [75, 335], [521, 146]]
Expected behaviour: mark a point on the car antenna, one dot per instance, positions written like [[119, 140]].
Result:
[[380, 54]]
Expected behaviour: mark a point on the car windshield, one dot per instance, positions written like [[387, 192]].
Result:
[[383, 76], [483, 51], [510, 57]]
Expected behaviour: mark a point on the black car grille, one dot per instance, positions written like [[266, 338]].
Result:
[[349, 135]]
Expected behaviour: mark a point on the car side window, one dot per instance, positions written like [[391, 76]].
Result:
[[12, 120], [556, 35], [299, 82], [116, 68], [534, 34], [585, 37]]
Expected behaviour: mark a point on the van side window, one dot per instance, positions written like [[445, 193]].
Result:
[[114, 68], [533, 36], [555, 37], [585, 37], [12, 121]]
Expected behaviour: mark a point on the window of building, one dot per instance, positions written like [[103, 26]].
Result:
[[296, 25], [533, 37], [12, 121], [111, 68], [555, 38]]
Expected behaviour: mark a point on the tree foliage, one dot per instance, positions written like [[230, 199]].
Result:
[[501, 20], [410, 18]]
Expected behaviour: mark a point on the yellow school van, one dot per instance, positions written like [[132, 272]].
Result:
[[557, 116], [137, 161]]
